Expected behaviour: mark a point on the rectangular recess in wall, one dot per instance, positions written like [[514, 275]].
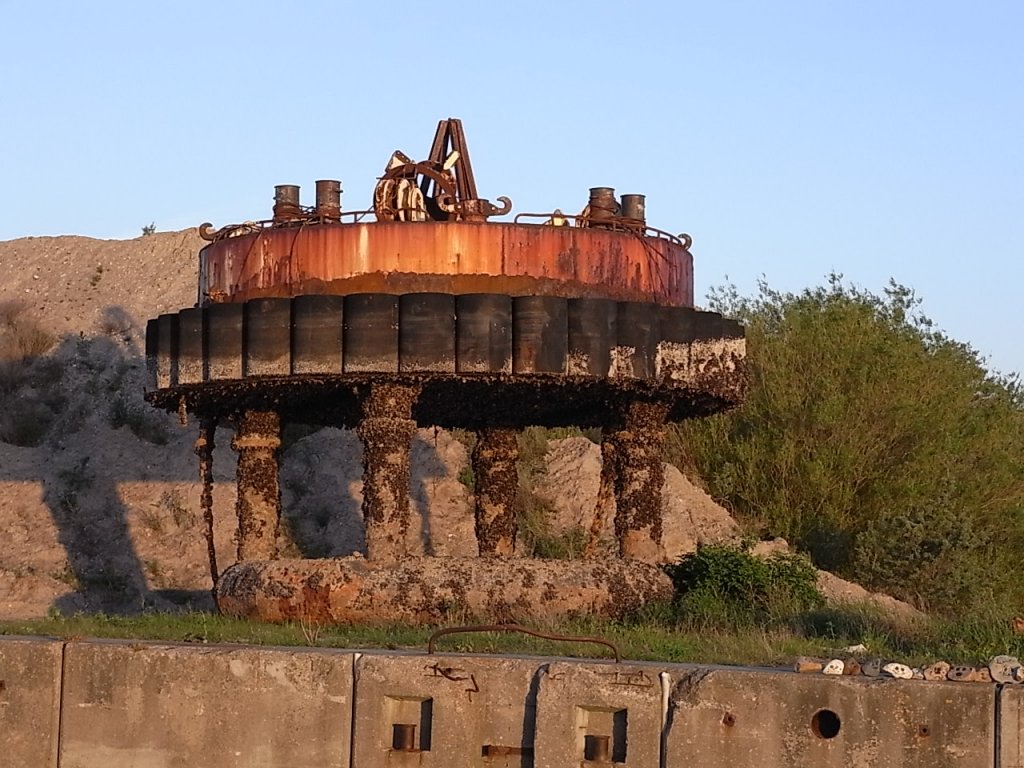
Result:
[[400, 713], [601, 734]]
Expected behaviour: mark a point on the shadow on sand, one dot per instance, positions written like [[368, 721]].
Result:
[[91, 431]]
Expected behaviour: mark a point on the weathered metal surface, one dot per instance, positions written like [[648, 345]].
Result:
[[454, 401], [602, 205], [447, 257], [432, 640], [328, 199], [404, 737], [511, 369], [634, 207], [286, 203], [430, 590]]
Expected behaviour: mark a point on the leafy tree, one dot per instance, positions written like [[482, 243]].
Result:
[[873, 442]]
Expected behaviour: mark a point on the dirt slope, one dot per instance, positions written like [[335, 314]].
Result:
[[80, 285]]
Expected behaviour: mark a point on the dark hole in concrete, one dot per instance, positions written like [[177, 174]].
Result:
[[620, 722], [825, 723], [729, 720], [923, 730], [426, 723]]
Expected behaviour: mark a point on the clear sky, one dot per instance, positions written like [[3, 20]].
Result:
[[790, 139]]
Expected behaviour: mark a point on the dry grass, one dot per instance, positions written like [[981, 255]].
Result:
[[24, 420], [21, 335]]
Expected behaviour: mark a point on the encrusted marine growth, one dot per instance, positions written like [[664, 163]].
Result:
[[422, 312]]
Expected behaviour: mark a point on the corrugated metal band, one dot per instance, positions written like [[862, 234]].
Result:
[[436, 334]]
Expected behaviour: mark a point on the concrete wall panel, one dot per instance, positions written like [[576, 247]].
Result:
[[741, 718], [30, 672], [593, 713], [120, 705], [1011, 727], [163, 706], [456, 711]]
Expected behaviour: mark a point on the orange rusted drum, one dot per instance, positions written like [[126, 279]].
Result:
[[447, 257]]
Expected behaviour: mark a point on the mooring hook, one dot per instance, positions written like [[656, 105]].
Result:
[[506, 206]]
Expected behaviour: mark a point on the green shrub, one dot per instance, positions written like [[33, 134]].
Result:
[[726, 586], [468, 478], [873, 442]]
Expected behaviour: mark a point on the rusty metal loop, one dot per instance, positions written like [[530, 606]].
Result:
[[526, 631], [444, 189], [444, 180]]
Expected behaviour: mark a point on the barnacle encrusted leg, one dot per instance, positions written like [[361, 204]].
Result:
[[386, 429], [497, 479], [639, 476], [257, 439]]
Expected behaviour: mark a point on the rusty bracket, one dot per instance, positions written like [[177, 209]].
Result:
[[526, 631], [475, 210]]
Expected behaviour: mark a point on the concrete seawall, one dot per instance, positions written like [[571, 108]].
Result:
[[118, 704]]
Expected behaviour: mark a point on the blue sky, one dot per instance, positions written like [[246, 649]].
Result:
[[875, 139]]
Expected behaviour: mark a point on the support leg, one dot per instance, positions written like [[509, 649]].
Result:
[[494, 468], [259, 498], [605, 506], [638, 481], [386, 430], [204, 450]]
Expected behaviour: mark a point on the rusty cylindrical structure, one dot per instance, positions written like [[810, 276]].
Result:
[[420, 313], [328, 200]]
